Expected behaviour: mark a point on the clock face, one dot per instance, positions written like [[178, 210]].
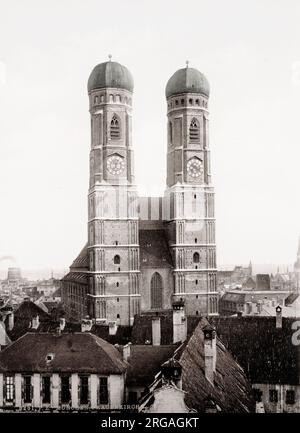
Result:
[[194, 167], [115, 164]]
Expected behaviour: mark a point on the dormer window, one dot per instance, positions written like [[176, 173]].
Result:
[[115, 128]]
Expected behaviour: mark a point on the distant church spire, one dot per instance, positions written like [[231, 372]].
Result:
[[187, 63]]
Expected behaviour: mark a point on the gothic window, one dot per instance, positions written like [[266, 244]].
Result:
[[196, 258], [170, 132], [117, 260], [115, 128], [156, 290], [190, 101], [194, 130]]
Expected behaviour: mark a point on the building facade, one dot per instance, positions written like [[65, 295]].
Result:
[[144, 253]]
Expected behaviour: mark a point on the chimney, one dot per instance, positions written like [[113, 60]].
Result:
[[62, 323], [11, 321], [259, 307], [278, 317], [126, 351], [179, 322], [35, 322], [273, 302], [156, 331], [112, 328], [210, 352], [248, 308], [86, 324]]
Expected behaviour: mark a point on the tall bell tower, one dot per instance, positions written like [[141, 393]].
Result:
[[189, 196], [113, 248]]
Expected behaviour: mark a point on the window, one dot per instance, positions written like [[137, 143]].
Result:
[[84, 390], [170, 132], [156, 290], [273, 396], [196, 240], [132, 397], [196, 282], [27, 389], [257, 395], [196, 258], [197, 102], [290, 396], [176, 102], [115, 128], [103, 390], [65, 389], [117, 260], [190, 101], [46, 389], [9, 388], [96, 100], [194, 130], [117, 284], [182, 101]]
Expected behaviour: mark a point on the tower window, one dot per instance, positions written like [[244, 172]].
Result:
[[197, 102], [117, 243], [196, 258], [115, 128], [194, 130], [170, 132], [117, 260], [195, 196], [196, 282], [191, 101], [118, 284], [176, 102], [118, 299], [96, 100], [196, 240], [197, 313], [182, 101], [118, 316]]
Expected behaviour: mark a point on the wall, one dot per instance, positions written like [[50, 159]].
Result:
[[281, 406]]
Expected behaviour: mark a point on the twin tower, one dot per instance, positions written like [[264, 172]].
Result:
[[146, 254]]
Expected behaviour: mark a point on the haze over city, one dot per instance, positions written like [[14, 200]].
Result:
[[45, 124]]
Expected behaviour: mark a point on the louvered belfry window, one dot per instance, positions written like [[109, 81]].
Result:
[[115, 128], [194, 130]]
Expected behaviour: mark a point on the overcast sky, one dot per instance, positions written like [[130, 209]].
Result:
[[250, 53]]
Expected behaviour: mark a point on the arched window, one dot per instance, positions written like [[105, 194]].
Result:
[[117, 260], [170, 132], [196, 258], [156, 290], [115, 127], [194, 130]]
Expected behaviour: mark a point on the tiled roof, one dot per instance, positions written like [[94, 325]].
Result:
[[266, 353], [76, 352], [154, 249], [76, 277], [81, 260], [142, 327], [291, 298], [23, 318], [145, 362], [231, 390]]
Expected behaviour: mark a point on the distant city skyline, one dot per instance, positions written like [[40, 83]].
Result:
[[45, 130]]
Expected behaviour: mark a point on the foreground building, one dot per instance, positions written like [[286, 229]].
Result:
[[76, 371], [144, 253], [268, 350]]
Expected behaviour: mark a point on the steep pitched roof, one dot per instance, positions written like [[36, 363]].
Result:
[[23, 316], [145, 362], [231, 390], [81, 260], [76, 277], [76, 352], [154, 249], [266, 353]]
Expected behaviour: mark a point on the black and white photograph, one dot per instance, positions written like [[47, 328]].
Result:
[[150, 211]]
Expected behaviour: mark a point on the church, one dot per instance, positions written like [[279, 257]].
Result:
[[146, 254]]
